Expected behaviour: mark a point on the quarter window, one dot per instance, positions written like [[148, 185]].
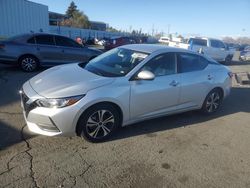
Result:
[[45, 40], [66, 42], [190, 62], [162, 65]]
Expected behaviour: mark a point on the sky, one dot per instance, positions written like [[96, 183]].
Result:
[[211, 18]]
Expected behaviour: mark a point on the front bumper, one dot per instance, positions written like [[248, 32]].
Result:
[[47, 121]]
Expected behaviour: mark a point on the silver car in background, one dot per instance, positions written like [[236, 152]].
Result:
[[125, 85], [30, 51]]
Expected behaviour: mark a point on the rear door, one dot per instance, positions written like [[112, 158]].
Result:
[[70, 50], [218, 49], [195, 78], [47, 52]]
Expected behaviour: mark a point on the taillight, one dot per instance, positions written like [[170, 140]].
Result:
[[230, 74], [2, 46]]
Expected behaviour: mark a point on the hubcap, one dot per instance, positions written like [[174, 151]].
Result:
[[29, 64], [100, 124], [213, 102]]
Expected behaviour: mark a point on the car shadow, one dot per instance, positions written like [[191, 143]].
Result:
[[11, 136], [236, 102], [11, 81]]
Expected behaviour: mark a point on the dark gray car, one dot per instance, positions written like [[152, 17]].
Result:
[[33, 50]]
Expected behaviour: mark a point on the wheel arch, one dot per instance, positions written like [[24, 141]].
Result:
[[220, 89], [78, 128], [27, 54]]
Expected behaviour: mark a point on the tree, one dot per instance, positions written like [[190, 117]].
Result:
[[71, 9], [79, 19], [75, 18], [111, 29]]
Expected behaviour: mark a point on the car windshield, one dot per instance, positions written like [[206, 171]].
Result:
[[115, 63], [247, 48]]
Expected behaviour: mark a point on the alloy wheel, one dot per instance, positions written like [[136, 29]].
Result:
[[213, 102], [28, 64], [100, 124]]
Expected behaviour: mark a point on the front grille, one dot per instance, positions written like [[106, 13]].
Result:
[[27, 105]]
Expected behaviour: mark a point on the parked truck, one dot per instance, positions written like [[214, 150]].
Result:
[[214, 48]]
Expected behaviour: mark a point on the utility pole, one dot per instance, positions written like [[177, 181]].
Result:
[[153, 30], [169, 28]]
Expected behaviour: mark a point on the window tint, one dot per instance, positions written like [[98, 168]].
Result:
[[190, 62], [45, 39], [63, 41], [162, 65], [217, 44], [200, 42], [31, 40]]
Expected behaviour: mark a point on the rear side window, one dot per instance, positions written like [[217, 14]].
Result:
[[190, 62], [31, 40], [217, 44], [199, 42], [45, 40], [66, 42]]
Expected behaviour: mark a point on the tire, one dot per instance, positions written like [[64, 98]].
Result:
[[228, 59], [212, 102], [28, 63], [98, 123]]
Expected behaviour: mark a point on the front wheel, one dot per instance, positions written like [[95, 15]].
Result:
[[28, 63], [212, 102], [99, 122]]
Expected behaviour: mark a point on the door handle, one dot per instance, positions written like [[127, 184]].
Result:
[[209, 77], [38, 49], [174, 83], [63, 51]]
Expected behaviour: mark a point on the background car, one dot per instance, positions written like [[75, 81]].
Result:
[[30, 51], [164, 40], [118, 41], [245, 54], [125, 85], [213, 48]]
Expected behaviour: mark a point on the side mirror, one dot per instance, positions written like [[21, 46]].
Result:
[[145, 75]]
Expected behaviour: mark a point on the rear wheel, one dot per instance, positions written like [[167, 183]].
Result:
[[212, 102], [99, 122], [28, 63], [228, 59]]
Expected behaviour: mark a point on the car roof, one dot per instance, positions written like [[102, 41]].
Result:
[[150, 48]]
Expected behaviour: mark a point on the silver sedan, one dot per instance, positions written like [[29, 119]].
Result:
[[125, 85], [32, 50]]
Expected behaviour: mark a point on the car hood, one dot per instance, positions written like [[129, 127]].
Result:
[[66, 80]]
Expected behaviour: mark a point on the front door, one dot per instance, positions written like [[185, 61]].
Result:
[[48, 53], [158, 96]]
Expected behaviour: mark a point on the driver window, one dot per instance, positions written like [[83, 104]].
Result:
[[162, 65]]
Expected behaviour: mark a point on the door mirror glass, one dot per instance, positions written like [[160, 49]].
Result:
[[145, 75]]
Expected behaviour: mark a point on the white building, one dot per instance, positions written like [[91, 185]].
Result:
[[22, 16]]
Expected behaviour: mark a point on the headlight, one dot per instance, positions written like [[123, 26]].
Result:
[[58, 103]]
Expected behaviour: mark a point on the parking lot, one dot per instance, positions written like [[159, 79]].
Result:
[[184, 150]]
